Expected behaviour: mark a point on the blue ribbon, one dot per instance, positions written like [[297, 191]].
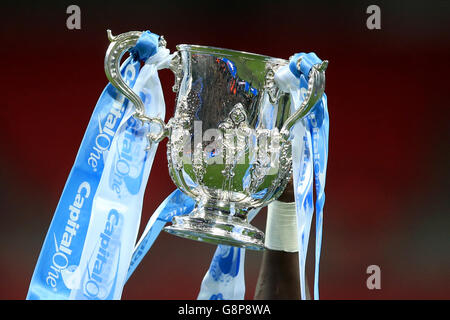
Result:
[[317, 124], [177, 203], [224, 279], [145, 47], [64, 242]]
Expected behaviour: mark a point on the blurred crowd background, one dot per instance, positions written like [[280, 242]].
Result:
[[387, 191]]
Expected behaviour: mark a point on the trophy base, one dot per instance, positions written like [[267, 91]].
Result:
[[217, 229]]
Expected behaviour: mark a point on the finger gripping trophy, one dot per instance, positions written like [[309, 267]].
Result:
[[229, 144]]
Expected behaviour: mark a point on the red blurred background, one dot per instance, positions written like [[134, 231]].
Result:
[[388, 170]]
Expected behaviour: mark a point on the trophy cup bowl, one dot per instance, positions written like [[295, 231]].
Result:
[[228, 141]]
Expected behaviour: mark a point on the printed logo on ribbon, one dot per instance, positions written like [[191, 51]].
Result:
[[130, 159]]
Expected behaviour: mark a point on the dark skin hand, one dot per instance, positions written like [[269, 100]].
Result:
[[279, 277]]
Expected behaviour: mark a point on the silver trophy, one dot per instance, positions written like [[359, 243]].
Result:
[[228, 142]]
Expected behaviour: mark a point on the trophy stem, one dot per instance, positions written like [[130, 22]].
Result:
[[212, 226]]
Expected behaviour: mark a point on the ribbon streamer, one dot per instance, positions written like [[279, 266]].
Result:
[[310, 144], [224, 279], [177, 203], [87, 250]]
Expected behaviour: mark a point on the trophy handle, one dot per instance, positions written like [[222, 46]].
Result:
[[316, 87], [117, 48]]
